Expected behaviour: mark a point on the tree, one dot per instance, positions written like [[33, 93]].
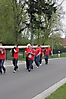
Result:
[[19, 16], [19, 19], [35, 9]]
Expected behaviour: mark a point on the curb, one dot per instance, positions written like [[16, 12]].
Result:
[[50, 90]]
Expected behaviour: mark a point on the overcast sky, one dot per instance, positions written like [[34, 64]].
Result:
[[64, 7], [64, 19]]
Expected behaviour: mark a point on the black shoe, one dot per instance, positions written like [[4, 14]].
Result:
[[17, 69], [0, 72], [32, 67], [46, 63], [29, 69], [4, 71]]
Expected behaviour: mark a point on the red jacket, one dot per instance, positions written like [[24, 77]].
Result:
[[26, 51], [16, 51], [3, 54], [30, 54], [38, 51], [47, 51]]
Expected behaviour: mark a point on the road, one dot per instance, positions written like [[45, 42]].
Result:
[[26, 85]]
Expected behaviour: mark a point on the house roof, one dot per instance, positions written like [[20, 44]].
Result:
[[63, 41]]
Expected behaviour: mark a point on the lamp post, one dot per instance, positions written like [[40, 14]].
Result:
[[52, 43]]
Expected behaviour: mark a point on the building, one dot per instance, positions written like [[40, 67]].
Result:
[[63, 41]]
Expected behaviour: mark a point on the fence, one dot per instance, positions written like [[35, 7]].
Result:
[[55, 51]]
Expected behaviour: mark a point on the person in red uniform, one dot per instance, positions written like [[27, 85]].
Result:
[[2, 59], [38, 55], [30, 54], [15, 52], [26, 52], [47, 52]]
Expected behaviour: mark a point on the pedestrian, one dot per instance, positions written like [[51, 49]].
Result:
[[14, 51], [38, 55], [31, 54], [26, 52], [2, 59], [47, 52]]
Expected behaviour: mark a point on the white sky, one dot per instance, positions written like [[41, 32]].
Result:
[[64, 19], [64, 8]]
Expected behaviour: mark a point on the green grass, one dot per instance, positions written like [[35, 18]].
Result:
[[56, 55], [59, 93]]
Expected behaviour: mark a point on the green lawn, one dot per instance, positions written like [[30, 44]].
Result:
[[56, 55], [59, 93]]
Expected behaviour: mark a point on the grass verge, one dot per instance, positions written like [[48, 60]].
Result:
[[60, 93]]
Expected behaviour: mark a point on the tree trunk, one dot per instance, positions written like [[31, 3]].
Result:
[[31, 30], [15, 20], [32, 38], [38, 36]]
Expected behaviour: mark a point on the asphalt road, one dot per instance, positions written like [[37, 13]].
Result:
[[26, 85]]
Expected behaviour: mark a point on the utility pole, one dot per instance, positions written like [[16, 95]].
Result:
[[52, 43]]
